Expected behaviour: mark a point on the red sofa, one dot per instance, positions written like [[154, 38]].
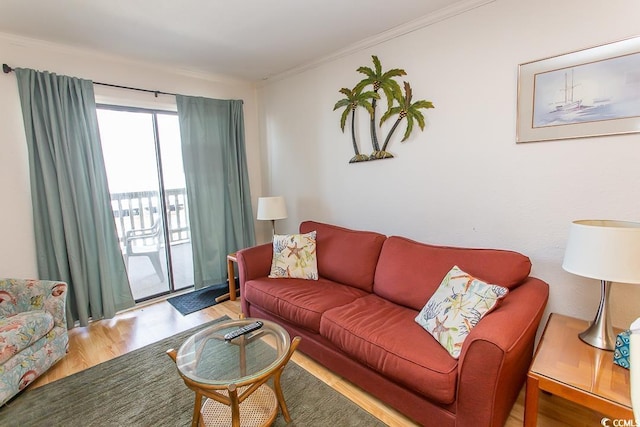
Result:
[[358, 321]]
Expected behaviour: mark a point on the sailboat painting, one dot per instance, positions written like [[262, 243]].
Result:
[[580, 94], [596, 91]]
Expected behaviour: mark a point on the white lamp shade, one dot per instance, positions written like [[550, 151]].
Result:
[[271, 208], [604, 250]]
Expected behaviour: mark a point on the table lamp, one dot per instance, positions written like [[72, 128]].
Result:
[[609, 251], [271, 208]]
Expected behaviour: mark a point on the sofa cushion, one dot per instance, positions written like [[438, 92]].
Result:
[[19, 331], [346, 256], [385, 337], [456, 307], [294, 256], [299, 301], [408, 272]]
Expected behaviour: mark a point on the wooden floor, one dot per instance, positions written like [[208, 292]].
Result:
[[106, 339]]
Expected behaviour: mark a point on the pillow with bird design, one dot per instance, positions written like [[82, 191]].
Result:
[[456, 307], [294, 256]]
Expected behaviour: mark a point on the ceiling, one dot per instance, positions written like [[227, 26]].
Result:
[[246, 39]]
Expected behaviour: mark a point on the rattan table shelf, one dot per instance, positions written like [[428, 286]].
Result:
[[259, 409]]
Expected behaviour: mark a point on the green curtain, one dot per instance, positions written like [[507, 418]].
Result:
[[76, 238], [215, 165]]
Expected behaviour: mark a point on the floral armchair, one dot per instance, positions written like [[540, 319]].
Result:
[[33, 331]]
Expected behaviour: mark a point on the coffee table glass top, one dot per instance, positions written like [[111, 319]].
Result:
[[208, 359]]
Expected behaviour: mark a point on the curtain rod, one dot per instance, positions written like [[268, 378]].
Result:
[[7, 69]]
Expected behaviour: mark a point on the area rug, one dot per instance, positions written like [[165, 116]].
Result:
[[197, 300], [143, 388]]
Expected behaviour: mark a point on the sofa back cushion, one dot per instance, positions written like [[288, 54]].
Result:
[[408, 272], [346, 256]]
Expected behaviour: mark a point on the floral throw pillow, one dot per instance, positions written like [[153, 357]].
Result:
[[294, 256], [456, 307]]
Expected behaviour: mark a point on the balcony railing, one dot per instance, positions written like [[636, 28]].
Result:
[[139, 209]]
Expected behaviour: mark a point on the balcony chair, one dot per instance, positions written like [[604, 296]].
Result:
[[33, 331], [145, 242]]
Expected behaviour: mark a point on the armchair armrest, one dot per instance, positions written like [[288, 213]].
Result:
[[20, 295], [497, 354]]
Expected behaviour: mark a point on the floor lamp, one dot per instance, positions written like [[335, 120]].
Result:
[[272, 208], [610, 252]]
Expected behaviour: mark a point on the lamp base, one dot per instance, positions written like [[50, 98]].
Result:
[[604, 340], [600, 333]]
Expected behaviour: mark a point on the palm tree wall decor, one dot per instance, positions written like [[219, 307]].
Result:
[[354, 99], [398, 103]]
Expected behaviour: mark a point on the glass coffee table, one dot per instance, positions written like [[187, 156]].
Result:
[[232, 375]]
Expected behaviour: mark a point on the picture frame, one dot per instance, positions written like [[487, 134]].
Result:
[[586, 93]]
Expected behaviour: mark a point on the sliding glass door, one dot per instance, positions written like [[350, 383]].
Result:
[[143, 159]]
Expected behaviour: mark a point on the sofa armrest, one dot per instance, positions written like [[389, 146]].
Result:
[[20, 295], [497, 354], [253, 262]]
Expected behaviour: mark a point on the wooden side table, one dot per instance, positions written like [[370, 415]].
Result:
[[569, 368], [231, 277]]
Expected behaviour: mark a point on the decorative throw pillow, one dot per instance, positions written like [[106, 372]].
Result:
[[294, 256], [456, 307]]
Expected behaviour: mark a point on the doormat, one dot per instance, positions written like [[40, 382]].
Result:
[[197, 300]]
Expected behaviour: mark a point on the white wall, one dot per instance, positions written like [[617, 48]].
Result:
[[463, 181], [17, 251]]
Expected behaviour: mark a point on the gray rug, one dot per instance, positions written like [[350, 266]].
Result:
[[143, 388]]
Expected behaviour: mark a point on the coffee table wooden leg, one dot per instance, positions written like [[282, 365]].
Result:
[[532, 393], [278, 374], [235, 405], [195, 420], [280, 396], [198, 403]]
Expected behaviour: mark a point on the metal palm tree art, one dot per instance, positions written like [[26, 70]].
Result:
[[354, 99], [379, 80], [398, 103], [407, 110]]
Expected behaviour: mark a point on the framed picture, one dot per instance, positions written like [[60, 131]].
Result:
[[586, 93]]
